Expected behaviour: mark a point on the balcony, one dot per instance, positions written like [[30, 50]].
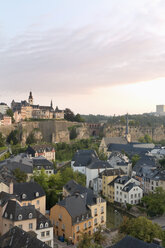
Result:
[[95, 215], [96, 224], [59, 219], [63, 229]]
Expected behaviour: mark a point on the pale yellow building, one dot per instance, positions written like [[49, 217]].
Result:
[[107, 177]]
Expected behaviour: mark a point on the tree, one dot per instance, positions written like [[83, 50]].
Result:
[[78, 118], [9, 112], [98, 237], [145, 139], [155, 203], [68, 115], [30, 139], [2, 140], [135, 159], [85, 241], [73, 133], [21, 176], [13, 137], [142, 228]]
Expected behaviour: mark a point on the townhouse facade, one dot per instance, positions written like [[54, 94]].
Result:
[[127, 190]]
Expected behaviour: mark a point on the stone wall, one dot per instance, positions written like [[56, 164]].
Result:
[[156, 134]]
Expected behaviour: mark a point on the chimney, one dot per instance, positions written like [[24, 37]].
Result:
[[157, 241]]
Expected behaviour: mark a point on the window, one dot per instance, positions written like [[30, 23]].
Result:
[[117, 192], [89, 224], [131, 195], [125, 196], [63, 227], [57, 223], [20, 217], [43, 234], [82, 217], [95, 221], [85, 225], [77, 219], [30, 216], [23, 196], [46, 224], [139, 194], [20, 226], [77, 229], [47, 233], [37, 194], [60, 217], [102, 218], [11, 216], [135, 195], [102, 210], [95, 212], [30, 226], [41, 225], [38, 202], [6, 214]]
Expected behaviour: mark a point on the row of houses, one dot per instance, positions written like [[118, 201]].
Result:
[[23, 205]]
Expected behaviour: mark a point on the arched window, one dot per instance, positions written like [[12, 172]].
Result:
[[11, 216], [23, 196], [30, 215], [46, 224], [37, 194], [20, 217], [41, 225]]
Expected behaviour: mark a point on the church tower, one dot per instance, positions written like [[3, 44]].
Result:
[[127, 135], [51, 104], [30, 100]]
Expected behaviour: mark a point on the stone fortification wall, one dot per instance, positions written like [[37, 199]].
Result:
[[157, 133]]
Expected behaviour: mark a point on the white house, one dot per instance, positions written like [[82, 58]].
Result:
[[82, 159], [120, 161], [127, 190], [93, 170]]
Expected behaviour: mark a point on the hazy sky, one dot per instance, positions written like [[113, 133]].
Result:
[[93, 56]]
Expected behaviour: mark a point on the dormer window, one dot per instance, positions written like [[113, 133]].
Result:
[[87, 216], [41, 225], [6, 214], [46, 224], [11, 216], [37, 194], [77, 219], [30, 215], [20, 217], [23, 196], [82, 217]]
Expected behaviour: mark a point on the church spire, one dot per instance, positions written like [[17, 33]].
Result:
[[126, 131], [51, 104]]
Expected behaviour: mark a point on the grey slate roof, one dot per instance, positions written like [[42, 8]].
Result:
[[39, 148], [145, 161], [73, 188], [17, 238], [20, 161], [5, 197], [129, 148], [84, 157], [130, 242], [41, 219], [129, 186], [112, 172], [41, 162], [14, 209], [76, 207], [123, 180], [98, 164], [29, 189]]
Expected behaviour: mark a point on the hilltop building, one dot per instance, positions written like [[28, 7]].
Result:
[[27, 110]]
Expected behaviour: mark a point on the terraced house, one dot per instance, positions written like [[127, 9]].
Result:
[[80, 211]]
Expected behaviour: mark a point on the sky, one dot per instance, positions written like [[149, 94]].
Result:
[[92, 56]]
